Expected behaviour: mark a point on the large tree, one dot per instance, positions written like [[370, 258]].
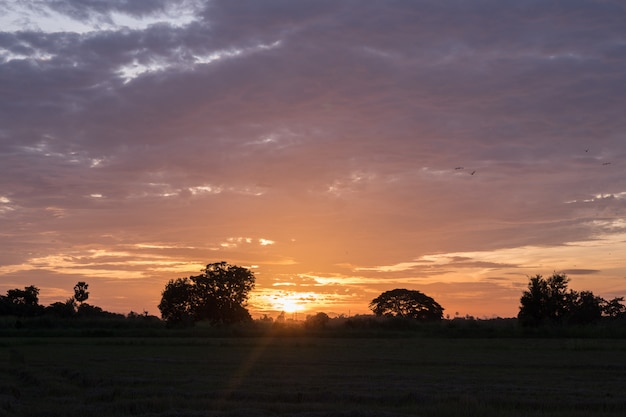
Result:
[[177, 301], [218, 295], [548, 301], [408, 304], [21, 302]]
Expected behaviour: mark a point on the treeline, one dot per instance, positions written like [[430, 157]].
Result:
[[360, 326], [217, 299], [21, 308]]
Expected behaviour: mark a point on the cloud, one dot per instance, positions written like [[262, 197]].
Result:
[[85, 17], [330, 128], [580, 271]]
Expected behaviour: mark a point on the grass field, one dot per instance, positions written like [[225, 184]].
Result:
[[307, 376]]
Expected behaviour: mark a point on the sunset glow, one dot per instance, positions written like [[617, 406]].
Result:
[[288, 306], [455, 148]]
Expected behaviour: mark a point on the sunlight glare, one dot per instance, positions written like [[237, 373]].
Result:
[[288, 306]]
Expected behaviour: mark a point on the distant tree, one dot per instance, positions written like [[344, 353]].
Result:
[[584, 308], [132, 315], [614, 308], [266, 319], [80, 292], [317, 321], [22, 302], [89, 311], [218, 295], [221, 293], [60, 309], [544, 300], [177, 301], [29, 296], [548, 301], [407, 304], [281, 317]]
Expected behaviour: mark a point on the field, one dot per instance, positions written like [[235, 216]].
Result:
[[309, 376]]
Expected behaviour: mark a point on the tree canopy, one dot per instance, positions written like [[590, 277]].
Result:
[[21, 302], [408, 304], [80, 292], [218, 295], [548, 301]]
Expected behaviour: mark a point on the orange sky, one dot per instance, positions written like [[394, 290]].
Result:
[[336, 150]]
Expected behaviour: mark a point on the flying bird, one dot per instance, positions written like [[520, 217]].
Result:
[[606, 163], [473, 172], [458, 168]]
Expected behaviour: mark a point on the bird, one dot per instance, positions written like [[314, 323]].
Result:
[[606, 163], [458, 168], [473, 172], [587, 150]]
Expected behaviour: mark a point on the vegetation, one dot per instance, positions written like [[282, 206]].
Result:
[[214, 303], [80, 292], [317, 321], [21, 314], [566, 360], [548, 301], [21, 302], [218, 295], [407, 304]]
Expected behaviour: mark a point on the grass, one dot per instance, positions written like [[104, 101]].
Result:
[[311, 376]]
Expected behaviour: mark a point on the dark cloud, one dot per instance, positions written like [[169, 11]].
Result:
[[580, 271]]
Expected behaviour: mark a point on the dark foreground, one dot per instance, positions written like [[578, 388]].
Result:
[[305, 376]]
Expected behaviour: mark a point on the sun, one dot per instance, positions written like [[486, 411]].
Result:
[[289, 305], [291, 302]]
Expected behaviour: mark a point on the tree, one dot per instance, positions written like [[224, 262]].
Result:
[[221, 293], [22, 302], [29, 296], [64, 310], [88, 311], [548, 301], [218, 295], [614, 308], [317, 321], [408, 304], [80, 292], [545, 300], [585, 308], [177, 301]]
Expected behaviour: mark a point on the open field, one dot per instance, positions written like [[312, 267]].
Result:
[[307, 376]]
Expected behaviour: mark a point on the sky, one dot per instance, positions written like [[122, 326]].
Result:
[[337, 148]]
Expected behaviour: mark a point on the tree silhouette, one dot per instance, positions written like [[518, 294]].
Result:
[[64, 310], [218, 295], [317, 321], [29, 296], [408, 304], [548, 301], [21, 302], [177, 301], [585, 308], [544, 300], [614, 308], [80, 292]]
